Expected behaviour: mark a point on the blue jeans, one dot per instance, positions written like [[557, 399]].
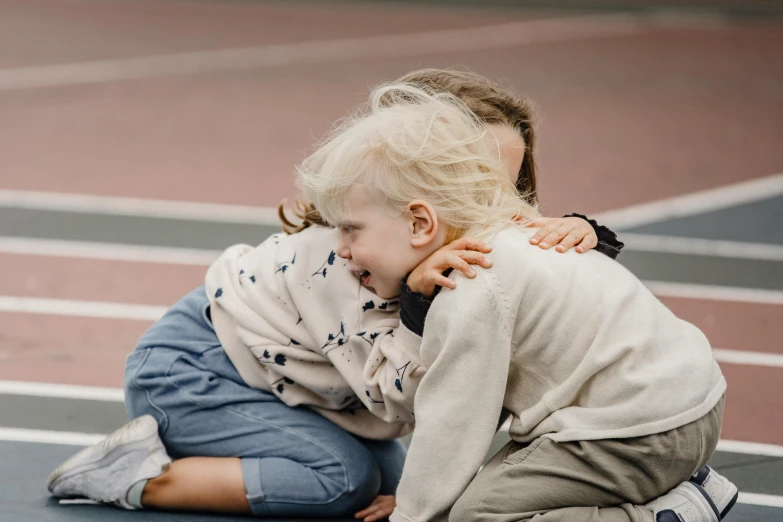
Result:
[[295, 463]]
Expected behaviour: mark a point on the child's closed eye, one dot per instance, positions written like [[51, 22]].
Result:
[[349, 228]]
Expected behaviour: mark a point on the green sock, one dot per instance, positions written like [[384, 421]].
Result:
[[134, 494]]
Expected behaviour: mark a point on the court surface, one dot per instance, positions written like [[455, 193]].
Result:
[[139, 138]]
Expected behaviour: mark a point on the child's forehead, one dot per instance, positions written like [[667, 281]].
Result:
[[506, 135], [364, 204], [359, 203], [347, 207]]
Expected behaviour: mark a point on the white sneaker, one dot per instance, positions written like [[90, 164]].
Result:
[[106, 471], [688, 502], [721, 490]]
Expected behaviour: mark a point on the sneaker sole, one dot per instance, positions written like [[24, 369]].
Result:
[[138, 434], [727, 500], [698, 496], [730, 504]]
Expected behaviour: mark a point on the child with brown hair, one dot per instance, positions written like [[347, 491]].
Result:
[[277, 388]]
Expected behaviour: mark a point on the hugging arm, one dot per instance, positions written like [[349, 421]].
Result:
[[575, 230], [467, 351]]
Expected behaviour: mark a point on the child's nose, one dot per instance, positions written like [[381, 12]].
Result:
[[343, 251]]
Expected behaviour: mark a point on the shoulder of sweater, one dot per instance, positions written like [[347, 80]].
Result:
[[514, 258], [481, 296], [518, 268]]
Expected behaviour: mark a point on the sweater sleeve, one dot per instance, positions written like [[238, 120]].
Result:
[[386, 375], [414, 307], [608, 244], [392, 375], [466, 348]]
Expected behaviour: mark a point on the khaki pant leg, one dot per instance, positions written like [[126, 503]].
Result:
[[592, 481]]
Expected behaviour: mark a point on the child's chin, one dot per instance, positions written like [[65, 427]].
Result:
[[382, 292]]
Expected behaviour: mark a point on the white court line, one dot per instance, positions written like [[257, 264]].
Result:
[[698, 246], [770, 360], [694, 203], [62, 391], [50, 437], [108, 251], [385, 46], [715, 293], [759, 499], [94, 309], [159, 208], [750, 448]]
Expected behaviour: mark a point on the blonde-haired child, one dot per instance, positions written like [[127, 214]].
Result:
[[278, 388], [616, 403]]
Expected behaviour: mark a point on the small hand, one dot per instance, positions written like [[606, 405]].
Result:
[[458, 254], [563, 234], [381, 508]]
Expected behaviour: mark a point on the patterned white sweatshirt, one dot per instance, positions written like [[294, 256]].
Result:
[[573, 345], [295, 321]]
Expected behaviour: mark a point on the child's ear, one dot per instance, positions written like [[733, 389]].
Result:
[[423, 223]]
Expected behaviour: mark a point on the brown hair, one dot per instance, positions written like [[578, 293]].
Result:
[[492, 103], [305, 212]]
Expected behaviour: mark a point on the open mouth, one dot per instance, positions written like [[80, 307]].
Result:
[[364, 277]]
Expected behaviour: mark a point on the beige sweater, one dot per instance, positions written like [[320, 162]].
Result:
[[295, 321], [572, 344]]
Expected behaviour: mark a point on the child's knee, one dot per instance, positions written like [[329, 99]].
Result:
[[341, 488], [467, 508], [136, 403], [389, 455], [139, 388], [361, 485], [494, 494]]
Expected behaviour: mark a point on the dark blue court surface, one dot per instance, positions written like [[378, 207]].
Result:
[[751, 222]]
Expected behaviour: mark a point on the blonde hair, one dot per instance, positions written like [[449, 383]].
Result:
[[490, 102], [411, 143]]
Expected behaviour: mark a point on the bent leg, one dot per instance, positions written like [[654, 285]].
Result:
[[549, 481], [294, 462]]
